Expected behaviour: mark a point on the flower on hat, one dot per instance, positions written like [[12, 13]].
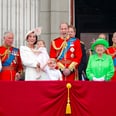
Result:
[[37, 31]]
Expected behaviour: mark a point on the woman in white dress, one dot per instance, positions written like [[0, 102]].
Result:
[[29, 59]]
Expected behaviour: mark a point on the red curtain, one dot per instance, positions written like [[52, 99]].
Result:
[[50, 98]]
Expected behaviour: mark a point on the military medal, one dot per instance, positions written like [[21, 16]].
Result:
[[72, 55], [72, 49]]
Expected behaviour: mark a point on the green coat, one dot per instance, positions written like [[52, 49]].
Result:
[[100, 67]]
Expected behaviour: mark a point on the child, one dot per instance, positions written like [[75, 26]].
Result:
[[52, 73], [41, 52], [42, 57]]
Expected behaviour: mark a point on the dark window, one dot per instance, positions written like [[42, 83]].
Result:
[[95, 16]]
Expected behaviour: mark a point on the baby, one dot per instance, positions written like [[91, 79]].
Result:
[[41, 53], [41, 57]]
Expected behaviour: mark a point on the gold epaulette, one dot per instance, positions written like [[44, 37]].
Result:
[[64, 43], [57, 48], [5, 53], [60, 66]]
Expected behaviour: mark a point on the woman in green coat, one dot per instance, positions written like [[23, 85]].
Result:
[[100, 65]]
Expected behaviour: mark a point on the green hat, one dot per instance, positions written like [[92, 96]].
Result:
[[100, 41]]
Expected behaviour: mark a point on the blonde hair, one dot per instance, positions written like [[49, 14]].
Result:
[[40, 40], [51, 60], [71, 26]]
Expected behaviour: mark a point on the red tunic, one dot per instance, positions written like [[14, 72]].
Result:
[[111, 50], [8, 72], [73, 54]]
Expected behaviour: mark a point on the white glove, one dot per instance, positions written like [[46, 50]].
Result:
[[98, 79]]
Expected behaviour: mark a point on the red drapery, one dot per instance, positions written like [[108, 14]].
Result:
[[50, 98]]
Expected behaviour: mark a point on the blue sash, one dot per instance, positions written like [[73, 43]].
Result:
[[114, 61], [11, 57], [69, 42]]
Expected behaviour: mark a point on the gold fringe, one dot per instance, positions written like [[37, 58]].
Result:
[[7, 52], [68, 106], [72, 66], [60, 66]]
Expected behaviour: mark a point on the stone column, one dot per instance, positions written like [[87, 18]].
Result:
[[52, 13]]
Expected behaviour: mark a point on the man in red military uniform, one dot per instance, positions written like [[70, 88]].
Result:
[[68, 53], [10, 58], [112, 51]]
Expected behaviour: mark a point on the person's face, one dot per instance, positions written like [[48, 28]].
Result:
[[40, 44], [102, 36], [71, 32], [99, 49], [8, 39], [114, 38], [52, 64], [64, 30], [31, 39]]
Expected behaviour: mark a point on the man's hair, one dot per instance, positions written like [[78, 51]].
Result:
[[6, 33], [71, 26], [64, 23]]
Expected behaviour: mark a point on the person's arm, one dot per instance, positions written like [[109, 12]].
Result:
[[28, 58], [43, 57], [19, 63], [110, 71], [36, 51], [44, 67], [78, 55], [89, 73], [19, 66]]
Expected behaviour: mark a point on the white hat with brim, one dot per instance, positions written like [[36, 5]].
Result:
[[28, 34], [36, 31]]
